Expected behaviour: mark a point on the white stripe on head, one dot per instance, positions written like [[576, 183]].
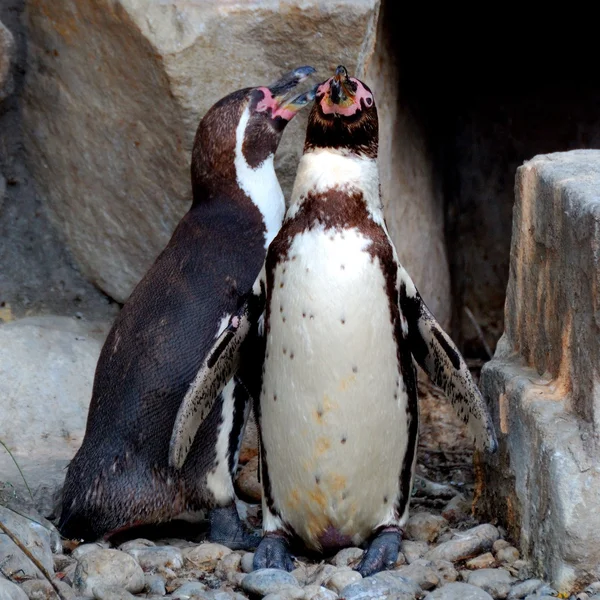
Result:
[[259, 184]]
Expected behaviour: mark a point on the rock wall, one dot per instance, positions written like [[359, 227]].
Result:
[[544, 380]]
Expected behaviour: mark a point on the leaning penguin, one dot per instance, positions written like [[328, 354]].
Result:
[[337, 414], [120, 477]]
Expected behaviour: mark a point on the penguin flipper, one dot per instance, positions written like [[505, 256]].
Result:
[[437, 355], [219, 366]]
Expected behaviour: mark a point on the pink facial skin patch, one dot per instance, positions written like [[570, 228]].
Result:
[[329, 107], [286, 111]]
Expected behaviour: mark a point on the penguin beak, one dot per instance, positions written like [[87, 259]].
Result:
[[341, 87], [286, 105]]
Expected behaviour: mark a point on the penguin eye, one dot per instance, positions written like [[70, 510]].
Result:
[[368, 101]]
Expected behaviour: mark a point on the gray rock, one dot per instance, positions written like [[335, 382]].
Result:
[[459, 591], [267, 581], [382, 584], [35, 537], [347, 557], [286, 593], [205, 555], [520, 590], [137, 544], [108, 568], [483, 561], [155, 585], [496, 582], [11, 591], [317, 574], [432, 489], [446, 571], [341, 579], [458, 509], [414, 550], [157, 557], [46, 373], [190, 589], [422, 572], [228, 568], [38, 589], [247, 564], [7, 51], [500, 545], [425, 527], [62, 561], [508, 555], [466, 544], [318, 592], [84, 549], [105, 592]]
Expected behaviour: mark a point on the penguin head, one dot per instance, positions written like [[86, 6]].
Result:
[[245, 125], [344, 116]]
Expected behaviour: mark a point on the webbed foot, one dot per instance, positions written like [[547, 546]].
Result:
[[273, 553], [381, 554], [227, 528]]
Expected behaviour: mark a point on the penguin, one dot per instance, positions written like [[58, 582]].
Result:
[[337, 413], [120, 477]]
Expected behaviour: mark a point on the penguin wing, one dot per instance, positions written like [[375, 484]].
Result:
[[220, 365], [437, 355]]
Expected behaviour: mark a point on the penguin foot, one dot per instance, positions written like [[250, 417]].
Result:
[[273, 553], [227, 528], [381, 554]]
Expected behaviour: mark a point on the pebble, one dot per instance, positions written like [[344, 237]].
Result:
[[347, 557], [431, 489], [496, 582], [318, 592], [317, 574], [524, 589], [466, 544], [151, 558], [414, 550], [483, 561], [155, 584], [508, 555], [500, 545], [62, 561], [445, 570], [205, 556], [228, 568], [86, 548], [458, 509], [189, 590], [425, 527], [110, 568], [459, 591], [37, 589], [135, 544], [342, 578], [266, 581], [109, 592], [422, 573], [385, 583], [247, 562], [11, 591]]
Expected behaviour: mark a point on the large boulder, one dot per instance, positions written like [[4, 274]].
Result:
[[114, 92], [544, 381], [47, 368]]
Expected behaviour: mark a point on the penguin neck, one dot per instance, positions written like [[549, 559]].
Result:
[[324, 169], [259, 183]]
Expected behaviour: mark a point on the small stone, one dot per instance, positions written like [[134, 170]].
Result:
[[425, 527], [318, 574], [189, 589], [431, 489], [507, 555], [85, 548], [500, 545], [422, 573], [385, 583], [228, 567], [110, 568], [287, 592], [155, 584], [413, 550], [205, 556], [109, 592], [157, 557], [347, 557], [317, 592], [342, 578], [496, 582], [446, 571], [483, 561], [11, 591], [458, 509], [136, 544], [62, 561], [524, 589], [247, 483], [247, 563], [459, 591], [266, 581], [546, 590], [37, 589], [466, 544]]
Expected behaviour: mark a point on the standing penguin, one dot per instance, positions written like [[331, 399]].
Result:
[[338, 415], [120, 477]]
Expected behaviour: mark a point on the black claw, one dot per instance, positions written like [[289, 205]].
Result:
[[381, 554], [227, 528], [273, 553]]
